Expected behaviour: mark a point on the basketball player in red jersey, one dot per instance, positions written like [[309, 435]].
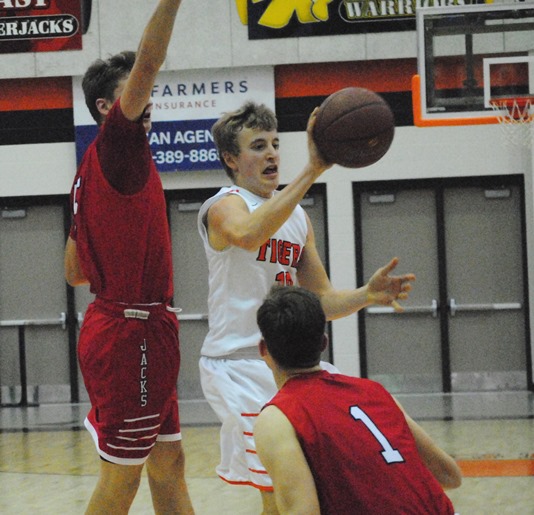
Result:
[[119, 244], [335, 444]]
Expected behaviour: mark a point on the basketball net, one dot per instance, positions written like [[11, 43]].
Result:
[[516, 118]]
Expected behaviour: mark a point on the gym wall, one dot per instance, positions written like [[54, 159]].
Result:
[[37, 155]]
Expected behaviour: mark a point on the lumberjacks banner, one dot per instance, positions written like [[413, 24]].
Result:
[[40, 25], [267, 19], [185, 106]]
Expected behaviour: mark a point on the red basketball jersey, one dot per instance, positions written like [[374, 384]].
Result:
[[123, 241], [359, 447]]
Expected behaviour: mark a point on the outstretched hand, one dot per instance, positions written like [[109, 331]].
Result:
[[386, 290]]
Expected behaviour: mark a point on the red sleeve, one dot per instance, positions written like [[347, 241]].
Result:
[[121, 151]]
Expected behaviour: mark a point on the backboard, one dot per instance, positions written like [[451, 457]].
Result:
[[468, 56]]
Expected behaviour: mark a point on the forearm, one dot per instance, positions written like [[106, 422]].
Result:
[[73, 272], [340, 303], [262, 223], [155, 40], [442, 466]]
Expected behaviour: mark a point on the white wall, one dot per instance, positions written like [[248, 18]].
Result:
[[209, 34]]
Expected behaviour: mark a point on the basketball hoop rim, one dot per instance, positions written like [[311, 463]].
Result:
[[509, 103], [514, 110]]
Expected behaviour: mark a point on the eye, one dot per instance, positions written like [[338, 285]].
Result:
[[258, 145]]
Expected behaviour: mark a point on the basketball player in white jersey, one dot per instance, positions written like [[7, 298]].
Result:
[[255, 236]]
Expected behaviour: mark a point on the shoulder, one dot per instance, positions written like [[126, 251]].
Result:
[[222, 205], [271, 424], [273, 432], [117, 121], [226, 198]]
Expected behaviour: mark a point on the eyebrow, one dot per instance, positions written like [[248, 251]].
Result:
[[256, 140]]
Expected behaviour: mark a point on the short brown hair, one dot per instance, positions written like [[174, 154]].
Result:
[[292, 323], [102, 78], [228, 126]]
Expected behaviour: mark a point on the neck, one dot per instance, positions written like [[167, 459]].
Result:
[[281, 376]]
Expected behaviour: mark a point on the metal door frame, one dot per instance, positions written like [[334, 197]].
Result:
[[439, 186]]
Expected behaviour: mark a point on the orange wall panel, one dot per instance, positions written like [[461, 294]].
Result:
[[36, 93]]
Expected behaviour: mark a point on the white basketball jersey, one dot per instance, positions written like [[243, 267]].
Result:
[[239, 279]]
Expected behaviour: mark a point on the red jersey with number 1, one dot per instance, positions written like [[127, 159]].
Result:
[[359, 447], [123, 241]]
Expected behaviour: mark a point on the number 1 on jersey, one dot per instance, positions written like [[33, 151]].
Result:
[[390, 454]]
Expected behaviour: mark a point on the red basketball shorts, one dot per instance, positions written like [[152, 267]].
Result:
[[129, 357]]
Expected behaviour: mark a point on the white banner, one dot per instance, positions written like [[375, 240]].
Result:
[[185, 106]]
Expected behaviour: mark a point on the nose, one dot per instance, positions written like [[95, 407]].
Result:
[[272, 151]]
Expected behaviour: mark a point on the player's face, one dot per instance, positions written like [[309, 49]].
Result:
[[256, 167]]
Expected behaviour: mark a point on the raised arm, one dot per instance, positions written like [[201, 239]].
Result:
[[230, 222], [149, 59]]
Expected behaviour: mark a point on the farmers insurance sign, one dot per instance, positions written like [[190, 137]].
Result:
[[40, 25], [298, 18], [185, 106]]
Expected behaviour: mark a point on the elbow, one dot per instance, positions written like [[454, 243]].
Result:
[[452, 479], [247, 242], [73, 280], [455, 481], [75, 277], [149, 63]]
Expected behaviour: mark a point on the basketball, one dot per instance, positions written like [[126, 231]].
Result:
[[354, 127]]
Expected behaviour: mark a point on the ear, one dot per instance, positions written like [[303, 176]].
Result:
[[230, 160], [325, 342], [263, 348], [103, 106], [264, 353]]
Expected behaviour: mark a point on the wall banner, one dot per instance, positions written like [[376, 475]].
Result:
[[269, 19], [185, 106], [40, 25]]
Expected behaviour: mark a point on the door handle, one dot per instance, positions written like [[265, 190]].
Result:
[[193, 316], [497, 306], [383, 310]]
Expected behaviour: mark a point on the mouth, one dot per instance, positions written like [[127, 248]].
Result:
[[271, 170], [147, 113]]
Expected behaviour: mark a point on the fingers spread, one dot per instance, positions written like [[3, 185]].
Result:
[[390, 266], [397, 307]]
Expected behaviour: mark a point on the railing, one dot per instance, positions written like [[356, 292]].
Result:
[[22, 324], [61, 321], [384, 310], [453, 308]]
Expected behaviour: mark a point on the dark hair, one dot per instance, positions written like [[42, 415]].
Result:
[[228, 126], [102, 78], [292, 323]]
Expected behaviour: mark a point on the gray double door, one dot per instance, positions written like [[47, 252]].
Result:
[[465, 324]]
